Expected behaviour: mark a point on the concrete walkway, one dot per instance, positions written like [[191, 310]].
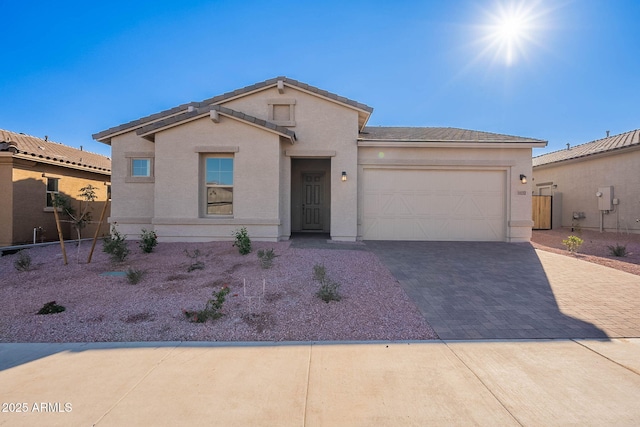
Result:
[[482, 290], [487, 383]]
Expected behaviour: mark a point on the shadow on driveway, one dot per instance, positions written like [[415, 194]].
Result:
[[480, 290]]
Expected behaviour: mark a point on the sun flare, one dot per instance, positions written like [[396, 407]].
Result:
[[510, 30]]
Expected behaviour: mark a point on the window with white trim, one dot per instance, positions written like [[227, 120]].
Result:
[[218, 184], [140, 167]]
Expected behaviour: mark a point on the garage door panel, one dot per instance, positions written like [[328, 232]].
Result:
[[418, 204]]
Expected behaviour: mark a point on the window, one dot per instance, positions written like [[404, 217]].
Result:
[[52, 188], [219, 185], [140, 167]]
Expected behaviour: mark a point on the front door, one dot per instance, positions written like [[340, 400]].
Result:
[[312, 192]]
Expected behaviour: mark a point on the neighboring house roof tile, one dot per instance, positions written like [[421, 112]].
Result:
[[195, 113], [38, 149], [106, 134], [437, 134], [600, 146]]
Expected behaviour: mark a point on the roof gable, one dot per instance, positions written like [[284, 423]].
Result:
[[600, 146], [41, 150], [192, 113], [364, 111]]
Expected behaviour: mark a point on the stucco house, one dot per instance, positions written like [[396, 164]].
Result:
[[281, 156], [31, 171], [594, 185]]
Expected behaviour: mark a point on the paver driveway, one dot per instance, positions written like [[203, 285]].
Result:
[[486, 290]]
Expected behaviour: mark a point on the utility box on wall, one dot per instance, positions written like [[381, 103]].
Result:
[[605, 198]]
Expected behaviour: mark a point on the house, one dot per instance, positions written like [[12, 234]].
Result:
[[594, 185], [31, 171], [281, 156]]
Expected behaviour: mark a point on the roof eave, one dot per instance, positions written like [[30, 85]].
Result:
[[408, 143]]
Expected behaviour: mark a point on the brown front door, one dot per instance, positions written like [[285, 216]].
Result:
[[312, 192]]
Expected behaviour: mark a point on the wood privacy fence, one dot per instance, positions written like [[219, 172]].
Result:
[[541, 208]]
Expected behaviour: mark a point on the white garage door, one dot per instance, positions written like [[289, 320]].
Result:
[[418, 204]]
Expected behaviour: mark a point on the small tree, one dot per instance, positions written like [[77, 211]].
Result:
[[82, 217]]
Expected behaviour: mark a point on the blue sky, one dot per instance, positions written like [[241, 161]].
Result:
[[71, 68]]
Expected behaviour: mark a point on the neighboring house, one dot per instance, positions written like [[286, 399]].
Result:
[[31, 170], [282, 156], [594, 185]]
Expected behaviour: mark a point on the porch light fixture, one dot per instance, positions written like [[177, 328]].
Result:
[[344, 176], [523, 179]]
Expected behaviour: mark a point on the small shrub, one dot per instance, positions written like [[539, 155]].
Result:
[[23, 262], [573, 243], [329, 290], [51, 308], [148, 241], [211, 310], [134, 276], [618, 250], [115, 245], [196, 264], [243, 242], [266, 257]]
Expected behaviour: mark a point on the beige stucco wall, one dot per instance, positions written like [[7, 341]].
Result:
[[578, 181], [132, 202], [514, 161], [24, 195]]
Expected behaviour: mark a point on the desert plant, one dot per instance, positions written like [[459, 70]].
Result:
[[80, 218], [134, 276], [196, 264], [573, 243], [23, 262], [329, 290], [211, 310], [243, 242], [148, 241], [266, 257], [618, 250], [115, 245], [51, 308]]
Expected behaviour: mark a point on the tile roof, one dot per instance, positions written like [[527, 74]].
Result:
[[437, 134], [105, 135], [195, 113], [33, 148], [604, 145]]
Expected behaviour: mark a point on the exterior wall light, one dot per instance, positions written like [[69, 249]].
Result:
[[344, 176], [523, 179]]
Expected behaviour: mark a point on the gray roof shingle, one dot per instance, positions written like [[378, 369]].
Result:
[[105, 134], [437, 134], [33, 148], [604, 145]]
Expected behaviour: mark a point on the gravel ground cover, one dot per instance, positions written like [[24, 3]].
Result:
[[276, 304], [595, 247]]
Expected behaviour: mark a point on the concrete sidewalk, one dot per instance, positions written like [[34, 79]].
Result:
[[530, 383]]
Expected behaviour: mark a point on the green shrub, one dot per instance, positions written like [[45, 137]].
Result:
[[211, 310], [243, 242], [329, 290], [134, 276], [51, 308], [573, 243], [618, 250], [148, 241], [266, 257], [196, 264], [115, 245], [23, 262]]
